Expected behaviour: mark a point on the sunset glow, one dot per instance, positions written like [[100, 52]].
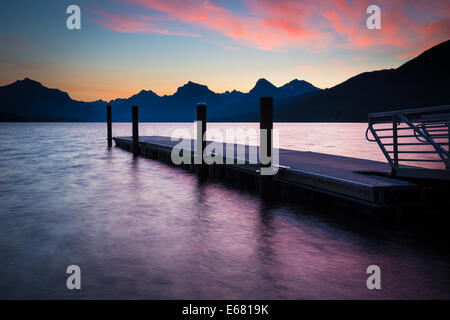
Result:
[[125, 46]]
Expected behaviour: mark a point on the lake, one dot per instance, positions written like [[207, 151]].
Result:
[[140, 229]]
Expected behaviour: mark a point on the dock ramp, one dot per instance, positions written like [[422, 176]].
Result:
[[415, 142]]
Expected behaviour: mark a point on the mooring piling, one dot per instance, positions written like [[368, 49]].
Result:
[[265, 145], [109, 125], [135, 124], [447, 165], [201, 141]]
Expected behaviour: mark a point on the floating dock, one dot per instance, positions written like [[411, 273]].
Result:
[[356, 180], [338, 180]]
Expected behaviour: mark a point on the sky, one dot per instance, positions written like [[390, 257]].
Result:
[[125, 46]]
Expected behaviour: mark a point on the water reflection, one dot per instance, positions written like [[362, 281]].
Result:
[[139, 228]]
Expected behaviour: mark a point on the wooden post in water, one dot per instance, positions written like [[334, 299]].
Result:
[[447, 165], [265, 131], [135, 124], [201, 141], [109, 125]]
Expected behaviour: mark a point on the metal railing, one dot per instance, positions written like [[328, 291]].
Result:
[[420, 136]]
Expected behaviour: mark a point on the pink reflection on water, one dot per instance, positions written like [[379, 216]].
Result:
[[139, 228]]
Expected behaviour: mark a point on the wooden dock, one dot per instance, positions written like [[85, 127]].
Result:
[[352, 180], [341, 181]]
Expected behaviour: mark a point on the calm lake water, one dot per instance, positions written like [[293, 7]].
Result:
[[141, 229]]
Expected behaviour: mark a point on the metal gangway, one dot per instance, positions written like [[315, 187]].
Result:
[[415, 142]]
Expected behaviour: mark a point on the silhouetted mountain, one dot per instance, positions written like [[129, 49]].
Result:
[[181, 105], [296, 87], [264, 88], [192, 90], [121, 107], [28, 100], [143, 97], [421, 82]]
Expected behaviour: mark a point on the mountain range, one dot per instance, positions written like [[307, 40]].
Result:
[[181, 105], [29, 100], [422, 81]]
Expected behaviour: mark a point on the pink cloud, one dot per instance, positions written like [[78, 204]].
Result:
[[258, 31], [268, 24], [410, 27], [132, 24]]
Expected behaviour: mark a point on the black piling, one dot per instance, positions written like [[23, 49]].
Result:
[[265, 153], [201, 130], [109, 125], [135, 124], [447, 165]]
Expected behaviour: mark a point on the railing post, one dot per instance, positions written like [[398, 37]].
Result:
[[109, 125], [395, 144], [265, 153], [201, 141], [135, 126]]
